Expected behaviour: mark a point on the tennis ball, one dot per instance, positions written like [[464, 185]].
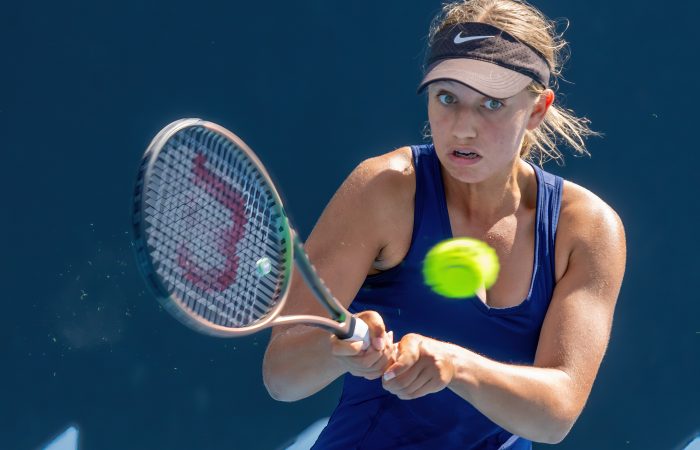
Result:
[[459, 267]]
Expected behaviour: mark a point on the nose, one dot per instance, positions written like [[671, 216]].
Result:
[[464, 124]]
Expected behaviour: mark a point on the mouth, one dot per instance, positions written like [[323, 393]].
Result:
[[466, 154]]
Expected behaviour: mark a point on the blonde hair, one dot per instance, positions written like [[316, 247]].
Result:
[[530, 26]]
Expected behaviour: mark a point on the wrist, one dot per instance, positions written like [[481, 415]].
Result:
[[463, 363]]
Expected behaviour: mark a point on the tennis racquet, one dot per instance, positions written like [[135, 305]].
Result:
[[213, 241]]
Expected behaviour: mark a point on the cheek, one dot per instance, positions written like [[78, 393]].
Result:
[[520, 129], [433, 113], [512, 134], [438, 122]]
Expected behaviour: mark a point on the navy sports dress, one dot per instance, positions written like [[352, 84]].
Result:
[[367, 416]]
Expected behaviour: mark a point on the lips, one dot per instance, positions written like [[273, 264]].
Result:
[[463, 157], [465, 153]]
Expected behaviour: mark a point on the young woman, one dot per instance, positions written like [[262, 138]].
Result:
[[483, 373]]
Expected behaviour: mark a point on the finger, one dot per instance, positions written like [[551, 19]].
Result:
[[390, 349], [394, 352], [389, 344], [390, 339], [377, 331], [359, 369], [366, 366], [384, 361], [406, 355], [340, 347], [385, 358], [409, 392], [367, 359], [430, 387], [402, 383]]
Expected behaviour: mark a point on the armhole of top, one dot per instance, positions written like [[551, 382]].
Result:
[[417, 211]]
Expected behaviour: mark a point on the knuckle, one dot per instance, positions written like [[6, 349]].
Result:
[[368, 360], [372, 316], [401, 384], [411, 339], [379, 364]]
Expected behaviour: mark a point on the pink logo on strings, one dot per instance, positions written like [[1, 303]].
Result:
[[216, 278]]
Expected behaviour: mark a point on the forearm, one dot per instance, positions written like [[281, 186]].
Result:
[[532, 402], [298, 363]]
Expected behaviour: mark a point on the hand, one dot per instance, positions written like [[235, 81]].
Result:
[[423, 366], [372, 362]]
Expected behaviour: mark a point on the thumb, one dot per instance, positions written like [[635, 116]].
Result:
[[377, 330], [406, 352]]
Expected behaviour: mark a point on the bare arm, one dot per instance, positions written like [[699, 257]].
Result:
[[539, 402], [347, 238]]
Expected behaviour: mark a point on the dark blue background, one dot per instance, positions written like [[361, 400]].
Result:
[[315, 87]]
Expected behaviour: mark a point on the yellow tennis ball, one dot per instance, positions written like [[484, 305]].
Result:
[[459, 267]]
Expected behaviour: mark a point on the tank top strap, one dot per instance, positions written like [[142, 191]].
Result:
[[549, 192], [430, 222]]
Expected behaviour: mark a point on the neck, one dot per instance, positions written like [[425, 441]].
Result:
[[487, 202]]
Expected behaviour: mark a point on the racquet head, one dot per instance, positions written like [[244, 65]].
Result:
[[211, 235]]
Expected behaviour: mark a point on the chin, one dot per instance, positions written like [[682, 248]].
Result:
[[467, 174]]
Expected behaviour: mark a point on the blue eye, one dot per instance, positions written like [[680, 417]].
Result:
[[492, 104], [446, 99]]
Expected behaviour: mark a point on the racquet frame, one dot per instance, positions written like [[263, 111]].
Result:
[[341, 322]]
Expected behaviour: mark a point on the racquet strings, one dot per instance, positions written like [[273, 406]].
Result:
[[215, 231]]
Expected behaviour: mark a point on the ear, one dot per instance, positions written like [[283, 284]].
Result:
[[539, 110]]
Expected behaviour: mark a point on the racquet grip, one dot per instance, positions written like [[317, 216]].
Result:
[[359, 331]]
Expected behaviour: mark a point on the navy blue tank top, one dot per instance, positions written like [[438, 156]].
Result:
[[367, 416]]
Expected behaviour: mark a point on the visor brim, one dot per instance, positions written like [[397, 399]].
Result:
[[489, 79]]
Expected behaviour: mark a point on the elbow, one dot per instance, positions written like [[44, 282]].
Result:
[[277, 394], [276, 384], [559, 425], [564, 409], [277, 391], [272, 387], [273, 384], [550, 432], [550, 423], [556, 434]]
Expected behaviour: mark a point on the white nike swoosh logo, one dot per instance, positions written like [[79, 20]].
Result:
[[460, 40]]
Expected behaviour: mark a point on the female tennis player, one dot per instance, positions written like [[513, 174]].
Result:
[[497, 372]]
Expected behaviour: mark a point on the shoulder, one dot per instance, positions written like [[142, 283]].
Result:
[[581, 209], [374, 198], [382, 191], [385, 172], [382, 182], [588, 225]]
